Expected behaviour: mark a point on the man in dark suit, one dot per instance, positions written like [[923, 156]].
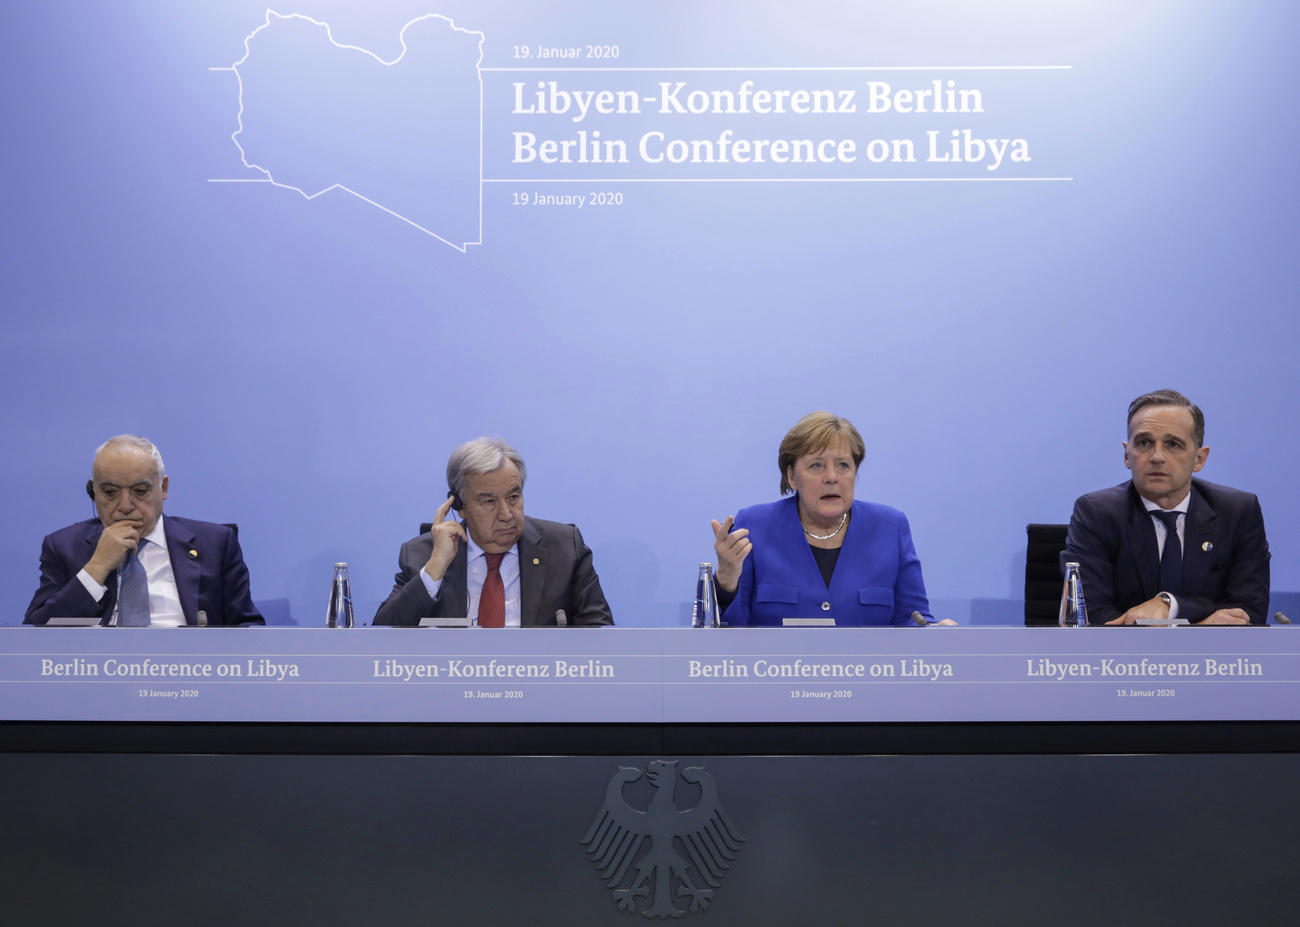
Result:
[[133, 566], [1165, 545], [495, 565]]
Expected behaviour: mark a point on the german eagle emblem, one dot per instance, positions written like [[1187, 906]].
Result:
[[655, 858]]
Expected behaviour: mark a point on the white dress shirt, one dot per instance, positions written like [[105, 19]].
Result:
[[164, 599], [476, 571], [1162, 532]]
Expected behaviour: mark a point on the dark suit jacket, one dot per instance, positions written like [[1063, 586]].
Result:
[[555, 571], [1225, 553], [206, 561], [876, 581]]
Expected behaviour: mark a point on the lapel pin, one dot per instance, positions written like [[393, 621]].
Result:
[[536, 562], [1207, 546], [194, 554]]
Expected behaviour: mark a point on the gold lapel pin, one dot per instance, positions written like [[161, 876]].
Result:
[[194, 554], [1207, 546], [536, 562]]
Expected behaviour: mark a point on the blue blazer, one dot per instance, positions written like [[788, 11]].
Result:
[[877, 579], [206, 561], [1225, 553]]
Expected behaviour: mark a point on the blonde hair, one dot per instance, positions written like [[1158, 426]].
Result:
[[812, 434]]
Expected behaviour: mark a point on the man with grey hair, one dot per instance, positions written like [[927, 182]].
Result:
[[1164, 545], [133, 566], [495, 565]]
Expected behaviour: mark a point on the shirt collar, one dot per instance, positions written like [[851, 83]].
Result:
[[473, 551], [1180, 507], [158, 535]]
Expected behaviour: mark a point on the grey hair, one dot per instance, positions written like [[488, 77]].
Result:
[[137, 443], [482, 455]]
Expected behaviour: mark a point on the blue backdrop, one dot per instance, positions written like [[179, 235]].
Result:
[[307, 344]]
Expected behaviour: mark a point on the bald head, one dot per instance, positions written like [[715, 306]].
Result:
[[128, 482]]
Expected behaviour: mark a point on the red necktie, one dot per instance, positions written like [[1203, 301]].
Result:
[[492, 600]]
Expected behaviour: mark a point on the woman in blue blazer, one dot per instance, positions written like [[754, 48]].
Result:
[[819, 554]]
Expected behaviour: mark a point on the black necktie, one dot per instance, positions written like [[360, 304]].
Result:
[[1171, 561]]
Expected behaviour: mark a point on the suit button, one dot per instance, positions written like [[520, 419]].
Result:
[[826, 606]]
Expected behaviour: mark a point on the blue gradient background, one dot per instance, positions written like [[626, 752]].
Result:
[[306, 366]]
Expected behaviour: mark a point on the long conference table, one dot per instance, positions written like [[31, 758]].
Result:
[[650, 676], [454, 776]]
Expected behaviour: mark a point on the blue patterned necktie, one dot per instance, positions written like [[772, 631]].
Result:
[[1171, 560], [133, 594]]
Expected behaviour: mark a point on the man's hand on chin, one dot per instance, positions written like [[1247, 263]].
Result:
[[115, 542]]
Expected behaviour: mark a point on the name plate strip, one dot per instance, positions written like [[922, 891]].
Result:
[[635, 675]]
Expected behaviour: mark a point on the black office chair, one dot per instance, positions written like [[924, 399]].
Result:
[[1043, 573]]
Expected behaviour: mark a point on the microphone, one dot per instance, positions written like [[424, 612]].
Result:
[[201, 619], [561, 620], [1281, 618]]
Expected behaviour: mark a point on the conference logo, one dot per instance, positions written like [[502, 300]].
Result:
[[665, 860]]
